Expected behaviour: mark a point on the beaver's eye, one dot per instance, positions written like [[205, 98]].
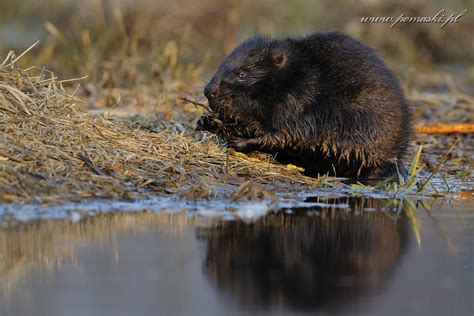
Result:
[[242, 74]]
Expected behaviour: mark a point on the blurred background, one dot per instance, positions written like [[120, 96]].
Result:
[[149, 51]]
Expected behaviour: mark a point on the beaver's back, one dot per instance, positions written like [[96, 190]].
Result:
[[360, 115]]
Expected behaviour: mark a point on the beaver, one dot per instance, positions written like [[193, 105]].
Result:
[[325, 102]]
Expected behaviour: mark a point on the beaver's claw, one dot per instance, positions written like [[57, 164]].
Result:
[[206, 123]]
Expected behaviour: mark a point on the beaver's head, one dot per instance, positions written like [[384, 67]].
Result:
[[249, 79]]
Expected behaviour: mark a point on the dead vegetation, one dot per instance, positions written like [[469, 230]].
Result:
[[52, 150]]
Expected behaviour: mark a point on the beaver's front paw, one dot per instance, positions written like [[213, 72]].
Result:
[[207, 123]]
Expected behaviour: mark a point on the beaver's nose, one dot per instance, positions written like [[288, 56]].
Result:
[[210, 90]]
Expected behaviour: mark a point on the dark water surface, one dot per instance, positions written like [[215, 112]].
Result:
[[337, 256]]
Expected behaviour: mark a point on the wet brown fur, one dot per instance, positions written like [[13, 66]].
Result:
[[325, 102]]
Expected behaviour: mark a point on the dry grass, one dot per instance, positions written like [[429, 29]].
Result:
[[53, 150]]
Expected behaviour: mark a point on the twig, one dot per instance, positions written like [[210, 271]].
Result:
[[22, 54], [73, 79], [227, 162], [89, 163], [203, 105], [445, 129], [440, 164]]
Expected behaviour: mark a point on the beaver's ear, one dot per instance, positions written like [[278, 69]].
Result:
[[280, 59]]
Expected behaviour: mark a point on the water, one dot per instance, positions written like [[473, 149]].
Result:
[[323, 256]]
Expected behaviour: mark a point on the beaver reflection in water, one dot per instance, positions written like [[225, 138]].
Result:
[[325, 102], [306, 262]]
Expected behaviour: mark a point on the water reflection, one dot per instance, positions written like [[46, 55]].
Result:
[[50, 244], [307, 261], [335, 256]]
